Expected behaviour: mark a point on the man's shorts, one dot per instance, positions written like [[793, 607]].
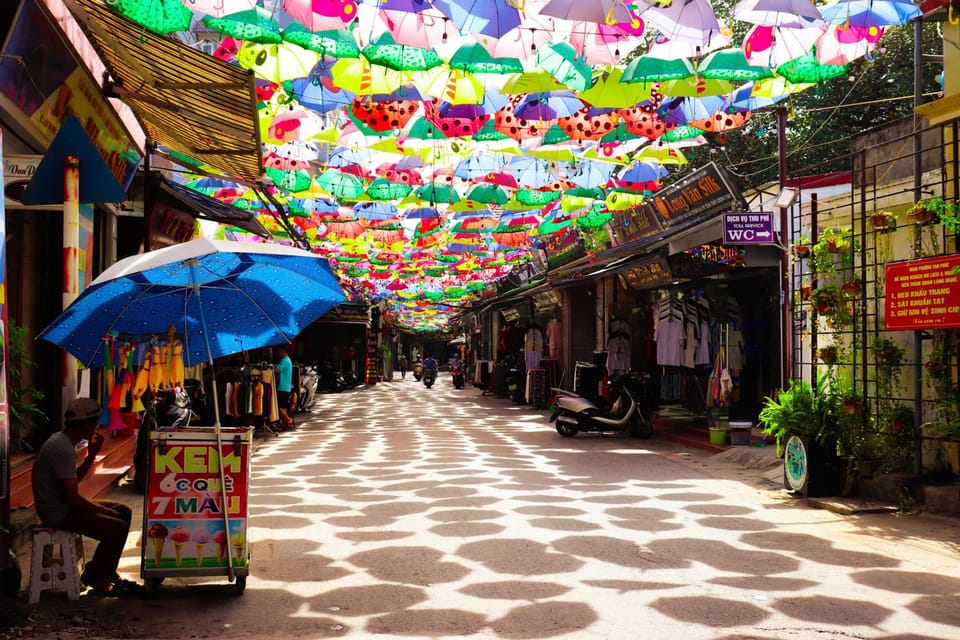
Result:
[[283, 399]]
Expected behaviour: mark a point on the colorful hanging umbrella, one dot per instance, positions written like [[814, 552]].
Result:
[[456, 120], [276, 62], [383, 189], [603, 44], [426, 28], [695, 87], [589, 123], [220, 8], [691, 21], [339, 184], [548, 106], [162, 16], [522, 42], [335, 43], [684, 110], [385, 52], [597, 11], [722, 121], [609, 91], [362, 78], [647, 69], [320, 15], [474, 58], [487, 194], [383, 115], [438, 193], [255, 25], [451, 85], [840, 45], [492, 18], [807, 69], [772, 46], [563, 62], [730, 64], [318, 92], [778, 13], [863, 14]]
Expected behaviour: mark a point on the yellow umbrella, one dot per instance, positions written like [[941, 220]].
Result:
[[277, 62], [661, 155], [609, 91], [362, 78], [532, 82], [695, 87], [450, 85], [778, 86]]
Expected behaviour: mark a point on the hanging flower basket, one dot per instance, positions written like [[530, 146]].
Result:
[[829, 355], [826, 300], [801, 251], [883, 221], [934, 369], [851, 405], [922, 214], [887, 353], [805, 290], [853, 288]]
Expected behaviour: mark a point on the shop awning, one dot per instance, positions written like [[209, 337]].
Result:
[[184, 99], [207, 208]]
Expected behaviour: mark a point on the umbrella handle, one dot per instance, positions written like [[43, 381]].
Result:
[[950, 18]]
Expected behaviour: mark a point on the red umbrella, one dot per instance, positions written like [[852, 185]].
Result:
[[459, 120], [343, 229], [644, 123], [500, 178], [722, 121], [383, 115], [508, 123], [584, 126]]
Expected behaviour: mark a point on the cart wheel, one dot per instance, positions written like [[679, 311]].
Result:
[[795, 465], [152, 585], [241, 584]]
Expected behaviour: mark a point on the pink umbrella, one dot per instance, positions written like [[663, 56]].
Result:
[[600, 44], [842, 46], [322, 15], [524, 41], [773, 46], [663, 47], [609, 12], [692, 21]]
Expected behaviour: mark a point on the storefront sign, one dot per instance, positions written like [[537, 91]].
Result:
[[47, 84], [4, 408], [17, 173], [748, 227], [649, 273], [923, 294], [706, 191], [634, 223], [184, 525], [563, 248]]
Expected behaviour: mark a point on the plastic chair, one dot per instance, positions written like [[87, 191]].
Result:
[[57, 562]]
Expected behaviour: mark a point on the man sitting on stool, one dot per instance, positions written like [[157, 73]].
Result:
[[59, 505]]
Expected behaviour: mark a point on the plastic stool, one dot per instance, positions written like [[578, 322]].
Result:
[[50, 570]]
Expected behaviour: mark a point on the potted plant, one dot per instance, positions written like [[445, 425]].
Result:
[[829, 355], [835, 239], [801, 247], [853, 287], [805, 423], [925, 211], [887, 353], [828, 300], [833, 251], [883, 221]]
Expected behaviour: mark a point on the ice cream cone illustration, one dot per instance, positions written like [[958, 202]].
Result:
[[157, 534], [220, 539], [201, 538], [180, 536], [239, 545]]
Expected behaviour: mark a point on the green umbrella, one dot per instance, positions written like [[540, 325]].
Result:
[[681, 132], [488, 194], [539, 81], [563, 62], [807, 69], [538, 198], [474, 58], [594, 219], [647, 68], [383, 189], [289, 180], [620, 133], [255, 25], [731, 64], [555, 135], [336, 43], [342, 185], [609, 90], [162, 16], [437, 192], [488, 133], [385, 52], [424, 130]]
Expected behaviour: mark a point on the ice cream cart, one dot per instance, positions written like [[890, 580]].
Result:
[[195, 508]]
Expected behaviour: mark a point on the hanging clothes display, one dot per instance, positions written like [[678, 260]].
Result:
[[554, 340], [532, 347], [669, 332]]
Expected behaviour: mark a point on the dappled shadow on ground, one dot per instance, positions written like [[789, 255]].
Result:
[[502, 528]]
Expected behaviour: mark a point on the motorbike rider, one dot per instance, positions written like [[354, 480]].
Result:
[[430, 363]]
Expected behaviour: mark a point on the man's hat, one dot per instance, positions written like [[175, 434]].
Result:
[[81, 409]]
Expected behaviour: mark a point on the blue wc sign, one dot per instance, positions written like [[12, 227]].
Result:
[[748, 227]]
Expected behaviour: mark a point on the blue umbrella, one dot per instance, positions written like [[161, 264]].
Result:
[[319, 93], [869, 13], [221, 297], [684, 110], [491, 18], [742, 99]]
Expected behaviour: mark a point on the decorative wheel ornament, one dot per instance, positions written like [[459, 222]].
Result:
[[795, 465]]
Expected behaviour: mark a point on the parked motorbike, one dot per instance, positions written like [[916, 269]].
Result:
[[631, 412], [417, 371], [330, 379], [350, 379], [429, 377], [309, 382], [456, 372]]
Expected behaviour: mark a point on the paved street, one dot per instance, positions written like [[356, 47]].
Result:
[[403, 511]]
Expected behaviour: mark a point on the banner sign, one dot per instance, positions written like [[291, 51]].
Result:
[[4, 407], [748, 227], [184, 525], [563, 248], [649, 273], [634, 223], [923, 294], [706, 191]]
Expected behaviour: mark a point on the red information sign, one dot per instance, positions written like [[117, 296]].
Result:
[[923, 294]]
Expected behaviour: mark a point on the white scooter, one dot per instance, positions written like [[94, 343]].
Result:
[[631, 412]]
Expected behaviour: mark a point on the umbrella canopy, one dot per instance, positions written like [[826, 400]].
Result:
[[221, 297], [162, 16]]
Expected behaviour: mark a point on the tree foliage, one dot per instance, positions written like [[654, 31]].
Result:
[[823, 120]]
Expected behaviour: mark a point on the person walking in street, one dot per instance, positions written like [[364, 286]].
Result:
[[402, 365], [56, 478], [285, 386]]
